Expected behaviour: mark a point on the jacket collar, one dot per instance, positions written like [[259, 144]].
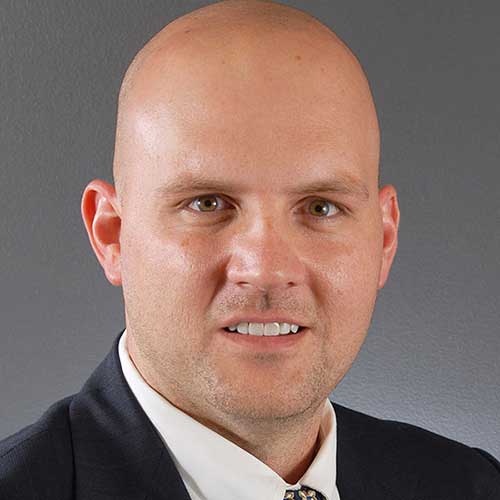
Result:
[[117, 451], [375, 457], [119, 454]]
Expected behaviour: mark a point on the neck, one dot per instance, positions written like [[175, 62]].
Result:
[[288, 449]]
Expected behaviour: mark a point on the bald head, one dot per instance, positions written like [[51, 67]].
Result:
[[252, 62], [246, 172]]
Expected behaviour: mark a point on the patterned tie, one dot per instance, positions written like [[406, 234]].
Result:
[[305, 493]]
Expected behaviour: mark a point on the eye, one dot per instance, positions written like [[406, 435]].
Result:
[[320, 207], [206, 203]]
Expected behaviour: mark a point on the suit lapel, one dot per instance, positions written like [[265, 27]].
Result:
[[117, 451], [367, 466]]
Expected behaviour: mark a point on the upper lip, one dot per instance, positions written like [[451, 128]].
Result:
[[263, 318]]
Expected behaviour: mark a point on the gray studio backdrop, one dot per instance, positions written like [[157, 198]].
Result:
[[432, 354]]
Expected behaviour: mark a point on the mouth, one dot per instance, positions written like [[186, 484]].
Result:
[[264, 343], [301, 328]]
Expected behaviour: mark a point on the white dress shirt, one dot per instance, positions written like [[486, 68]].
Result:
[[211, 466]]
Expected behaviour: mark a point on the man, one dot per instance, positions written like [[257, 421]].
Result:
[[250, 237]]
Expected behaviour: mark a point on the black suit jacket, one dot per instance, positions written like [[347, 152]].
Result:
[[99, 445]]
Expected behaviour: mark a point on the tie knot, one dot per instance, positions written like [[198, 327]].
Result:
[[305, 493]]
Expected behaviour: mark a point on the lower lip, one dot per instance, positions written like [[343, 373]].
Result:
[[265, 343]]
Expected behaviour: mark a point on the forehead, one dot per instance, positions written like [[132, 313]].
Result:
[[265, 120], [213, 166], [248, 157]]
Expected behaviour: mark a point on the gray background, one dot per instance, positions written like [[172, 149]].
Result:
[[432, 354]]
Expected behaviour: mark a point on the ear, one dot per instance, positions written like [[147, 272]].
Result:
[[102, 221], [389, 209]]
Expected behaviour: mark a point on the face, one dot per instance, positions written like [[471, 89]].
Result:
[[218, 222]]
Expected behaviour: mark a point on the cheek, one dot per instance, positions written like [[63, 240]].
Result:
[[353, 271], [166, 296], [348, 280], [346, 298], [155, 270]]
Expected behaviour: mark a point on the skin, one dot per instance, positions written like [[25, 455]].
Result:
[[264, 97]]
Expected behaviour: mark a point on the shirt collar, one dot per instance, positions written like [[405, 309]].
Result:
[[213, 467]]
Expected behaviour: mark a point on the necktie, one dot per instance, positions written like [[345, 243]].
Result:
[[305, 493]]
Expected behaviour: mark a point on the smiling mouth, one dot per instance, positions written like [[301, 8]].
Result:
[[301, 328]]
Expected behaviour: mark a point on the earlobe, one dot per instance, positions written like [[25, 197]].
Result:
[[390, 222], [103, 223]]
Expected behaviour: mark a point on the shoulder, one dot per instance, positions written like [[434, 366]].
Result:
[[38, 459], [402, 450]]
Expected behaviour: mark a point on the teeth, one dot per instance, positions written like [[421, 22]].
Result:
[[256, 328], [242, 327], [284, 328], [268, 329], [271, 329]]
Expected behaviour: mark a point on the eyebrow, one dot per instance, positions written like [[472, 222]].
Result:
[[343, 184]]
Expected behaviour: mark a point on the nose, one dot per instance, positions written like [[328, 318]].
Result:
[[263, 256]]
